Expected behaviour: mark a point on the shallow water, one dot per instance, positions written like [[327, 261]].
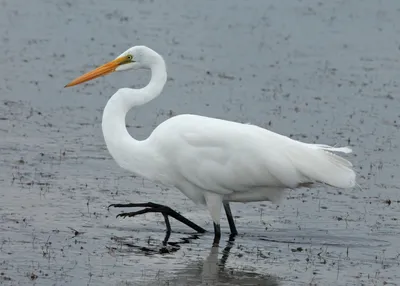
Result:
[[318, 72]]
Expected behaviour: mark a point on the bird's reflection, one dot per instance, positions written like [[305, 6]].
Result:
[[213, 271], [152, 246], [210, 271]]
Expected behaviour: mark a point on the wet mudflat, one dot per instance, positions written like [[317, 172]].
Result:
[[324, 72]]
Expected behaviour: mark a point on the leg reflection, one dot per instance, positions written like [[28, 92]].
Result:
[[211, 265], [213, 271]]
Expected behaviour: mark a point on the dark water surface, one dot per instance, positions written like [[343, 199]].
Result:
[[324, 72]]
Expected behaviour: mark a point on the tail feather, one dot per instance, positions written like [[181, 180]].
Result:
[[329, 150], [334, 149], [318, 163]]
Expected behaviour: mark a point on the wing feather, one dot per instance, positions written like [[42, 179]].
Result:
[[224, 157]]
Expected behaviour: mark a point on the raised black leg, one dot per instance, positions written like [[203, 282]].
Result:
[[231, 222], [156, 208], [217, 234], [168, 233]]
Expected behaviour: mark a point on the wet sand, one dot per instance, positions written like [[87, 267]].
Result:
[[318, 72]]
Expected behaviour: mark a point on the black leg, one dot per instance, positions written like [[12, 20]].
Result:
[[217, 234], [230, 219], [168, 233], [156, 208]]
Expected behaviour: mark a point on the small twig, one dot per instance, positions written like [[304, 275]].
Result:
[[76, 233], [87, 205]]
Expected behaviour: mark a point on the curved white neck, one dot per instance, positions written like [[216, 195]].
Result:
[[128, 152]]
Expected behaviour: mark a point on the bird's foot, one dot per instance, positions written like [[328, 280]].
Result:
[[157, 208], [143, 211], [136, 205]]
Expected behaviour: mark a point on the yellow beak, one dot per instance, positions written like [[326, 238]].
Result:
[[100, 71]]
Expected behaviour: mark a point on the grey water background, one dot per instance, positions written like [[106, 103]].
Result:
[[318, 71]]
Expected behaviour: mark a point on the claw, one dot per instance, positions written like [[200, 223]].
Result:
[[123, 215]]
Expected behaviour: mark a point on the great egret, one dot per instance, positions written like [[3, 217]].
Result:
[[212, 161]]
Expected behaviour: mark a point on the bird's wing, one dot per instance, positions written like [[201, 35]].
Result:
[[225, 157]]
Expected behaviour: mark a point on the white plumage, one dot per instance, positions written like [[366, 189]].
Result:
[[226, 157], [241, 162], [212, 160]]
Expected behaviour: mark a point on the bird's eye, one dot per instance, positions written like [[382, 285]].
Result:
[[129, 57]]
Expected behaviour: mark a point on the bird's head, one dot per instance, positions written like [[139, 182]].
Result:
[[137, 57]]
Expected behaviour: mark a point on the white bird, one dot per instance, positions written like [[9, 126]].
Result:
[[212, 161]]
